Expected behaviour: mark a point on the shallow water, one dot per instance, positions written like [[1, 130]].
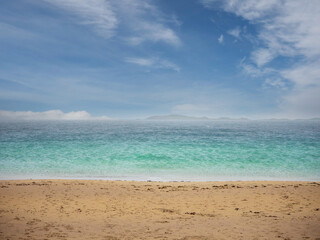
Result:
[[148, 150]]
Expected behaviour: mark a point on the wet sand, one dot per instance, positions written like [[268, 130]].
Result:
[[83, 209]]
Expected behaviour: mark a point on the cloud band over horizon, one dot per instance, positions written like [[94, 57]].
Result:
[[49, 115]]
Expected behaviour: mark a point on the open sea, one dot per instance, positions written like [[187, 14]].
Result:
[[161, 150]]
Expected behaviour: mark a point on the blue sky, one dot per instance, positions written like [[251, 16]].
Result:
[[131, 59]]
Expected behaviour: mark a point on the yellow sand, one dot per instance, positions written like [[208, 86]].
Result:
[[77, 209]]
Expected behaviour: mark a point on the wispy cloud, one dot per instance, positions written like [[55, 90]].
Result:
[[272, 77], [139, 20], [141, 61], [96, 13], [275, 82], [254, 71], [305, 74], [48, 115], [154, 62], [9, 31], [147, 23], [249, 9], [154, 33], [220, 39]]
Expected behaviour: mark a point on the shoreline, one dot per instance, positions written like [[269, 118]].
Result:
[[169, 179], [157, 181], [98, 209]]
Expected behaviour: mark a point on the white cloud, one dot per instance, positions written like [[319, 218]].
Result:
[[154, 62], [249, 9], [235, 32], [262, 56], [252, 9], [220, 39], [304, 74], [48, 115], [304, 100], [287, 28], [97, 13]]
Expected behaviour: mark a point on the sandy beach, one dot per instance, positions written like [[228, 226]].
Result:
[[85, 209]]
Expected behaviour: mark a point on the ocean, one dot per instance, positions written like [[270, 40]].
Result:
[[161, 150]]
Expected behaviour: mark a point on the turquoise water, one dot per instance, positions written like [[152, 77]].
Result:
[[148, 150]]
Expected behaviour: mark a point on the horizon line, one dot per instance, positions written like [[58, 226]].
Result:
[[84, 115]]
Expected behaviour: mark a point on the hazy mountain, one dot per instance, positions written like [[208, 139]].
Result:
[[175, 117]]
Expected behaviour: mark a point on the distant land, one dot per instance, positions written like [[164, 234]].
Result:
[[58, 115], [175, 117]]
